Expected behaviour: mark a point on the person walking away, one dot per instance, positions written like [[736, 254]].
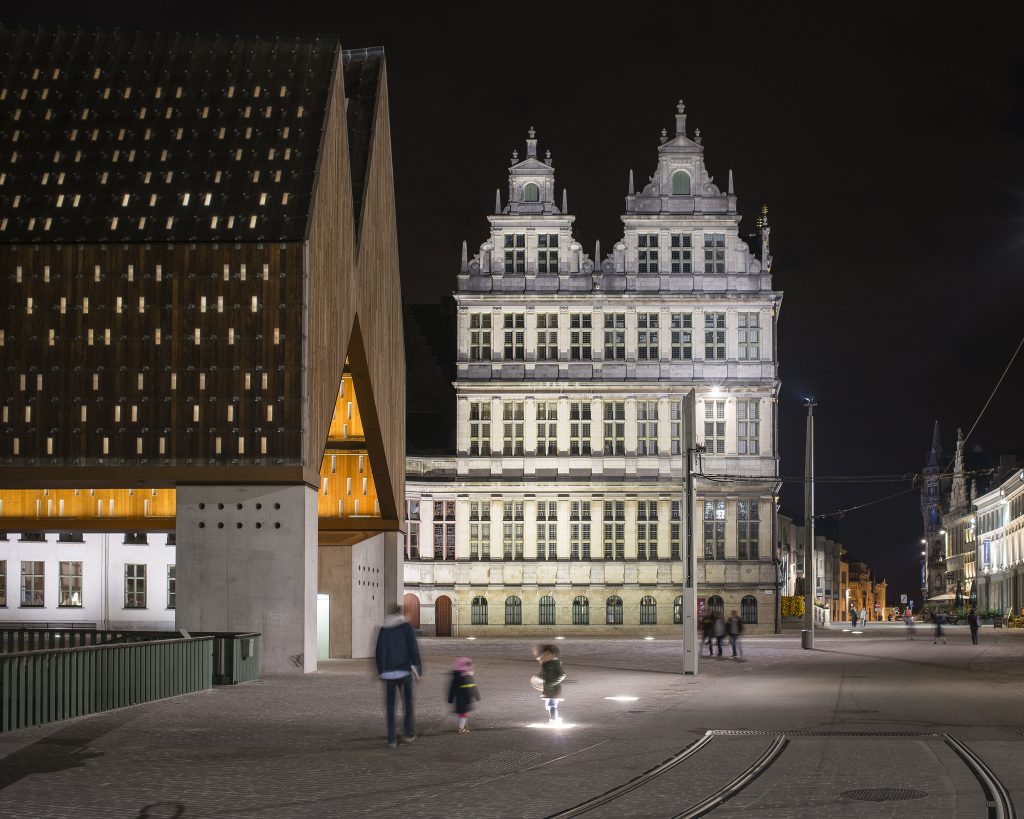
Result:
[[462, 692], [909, 620], [551, 677], [973, 622], [863, 617], [940, 621], [398, 665], [853, 618], [706, 624], [735, 630], [719, 629]]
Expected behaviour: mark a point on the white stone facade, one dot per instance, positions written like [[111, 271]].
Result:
[[573, 375]]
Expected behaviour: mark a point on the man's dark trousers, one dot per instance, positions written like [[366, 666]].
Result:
[[392, 686]]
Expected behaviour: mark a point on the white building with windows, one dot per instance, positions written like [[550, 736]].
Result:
[[562, 509], [104, 580]]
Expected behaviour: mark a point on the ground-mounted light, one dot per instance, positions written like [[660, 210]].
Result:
[[471, 638], [552, 726], [648, 638], [559, 638], [622, 698], [858, 632]]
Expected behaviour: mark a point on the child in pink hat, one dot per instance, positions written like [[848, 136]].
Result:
[[463, 691]]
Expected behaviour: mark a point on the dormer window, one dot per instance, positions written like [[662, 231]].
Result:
[[531, 193], [680, 183]]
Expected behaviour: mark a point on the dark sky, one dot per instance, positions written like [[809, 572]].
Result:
[[887, 140]]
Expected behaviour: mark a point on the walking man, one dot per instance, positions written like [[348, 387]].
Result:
[[940, 621], [735, 630], [853, 618], [863, 617], [398, 664], [719, 630], [973, 622]]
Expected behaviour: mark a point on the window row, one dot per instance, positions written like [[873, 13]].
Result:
[[600, 428], [596, 530], [656, 337], [32, 588], [132, 538], [613, 610]]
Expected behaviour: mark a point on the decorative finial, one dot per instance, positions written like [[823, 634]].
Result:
[[547, 157], [465, 256], [680, 119], [766, 257], [565, 201], [664, 136], [730, 182], [531, 142], [532, 134], [696, 136], [515, 155], [497, 201], [632, 189], [597, 255]]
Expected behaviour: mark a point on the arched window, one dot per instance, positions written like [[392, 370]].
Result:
[[677, 610], [648, 611], [613, 611], [680, 183], [546, 611], [580, 611], [748, 609], [478, 611], [531, 193], [513, 611], [716, 605]]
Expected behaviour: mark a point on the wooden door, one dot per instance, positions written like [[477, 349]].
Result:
[[411, 605], [443, 616]]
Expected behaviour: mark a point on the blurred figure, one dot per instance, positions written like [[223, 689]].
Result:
[[853, 618], [908, 618], [551, 677], [863, 617], [940, 621], [735, 627], [718, 629], [398, 664], [706, 624], [974, 623], [462, 692]]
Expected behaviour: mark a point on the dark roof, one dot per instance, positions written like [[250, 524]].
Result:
[[362, 77], [143, 137]]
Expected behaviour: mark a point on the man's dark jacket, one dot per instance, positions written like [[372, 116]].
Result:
[[396, 647]]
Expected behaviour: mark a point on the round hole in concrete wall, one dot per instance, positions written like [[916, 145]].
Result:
[[259, 525], [220, 505], [239, 505], [277, 525], [220, 525], [202, 525], [202, 506], [277, 506], [259, 505], [238, 525]]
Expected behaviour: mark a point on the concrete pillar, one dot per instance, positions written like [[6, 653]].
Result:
[[247, 561]]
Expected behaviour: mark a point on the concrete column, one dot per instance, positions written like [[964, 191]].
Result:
[[247, 561]]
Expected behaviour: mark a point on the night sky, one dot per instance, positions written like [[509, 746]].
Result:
[[888, 143]]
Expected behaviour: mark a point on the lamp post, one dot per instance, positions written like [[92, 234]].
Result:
[[807, 636]]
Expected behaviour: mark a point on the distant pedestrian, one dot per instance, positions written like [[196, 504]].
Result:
[[707, 623], [718, 629], [940, 621], [908, 618], [973, 622], [853, 618], [549, 681], [462, 692], [735, 627], [398, 664], [863, 617]]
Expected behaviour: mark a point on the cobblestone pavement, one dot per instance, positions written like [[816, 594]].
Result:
[[313, 745]]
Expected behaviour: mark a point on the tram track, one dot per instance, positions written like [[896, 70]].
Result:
[[997, 799]]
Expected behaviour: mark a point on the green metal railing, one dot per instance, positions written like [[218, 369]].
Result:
[[37, 687], [36, 639], [236, 657]]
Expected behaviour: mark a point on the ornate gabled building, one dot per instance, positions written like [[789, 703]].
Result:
[[935, 485], [579, 379], [198, 262]]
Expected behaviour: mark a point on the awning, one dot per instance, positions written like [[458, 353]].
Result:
[[942, 598]]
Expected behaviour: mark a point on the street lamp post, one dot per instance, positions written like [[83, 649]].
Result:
[[807, 637]]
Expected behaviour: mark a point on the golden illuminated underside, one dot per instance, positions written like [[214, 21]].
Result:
[[346, 496]]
